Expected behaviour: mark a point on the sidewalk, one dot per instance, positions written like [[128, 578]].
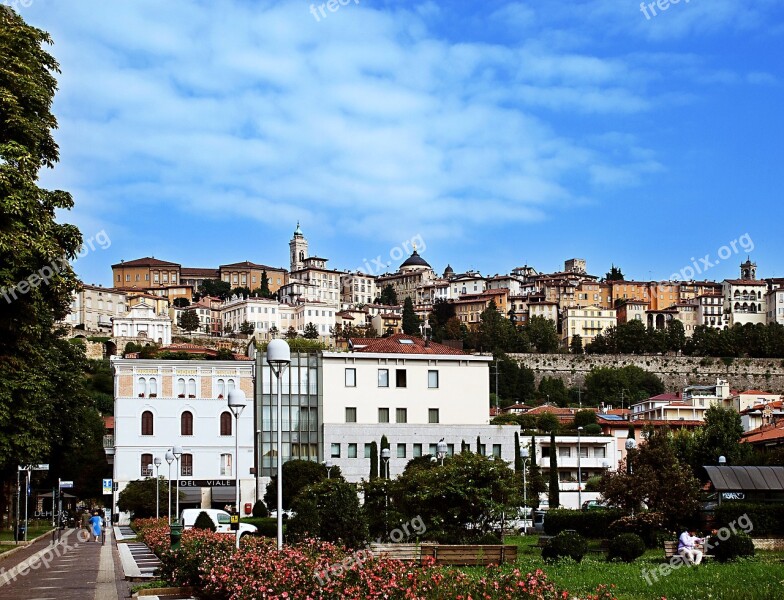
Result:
[[76, 568]]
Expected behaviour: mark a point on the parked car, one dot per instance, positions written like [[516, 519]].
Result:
[[221, 518], [594, 505]]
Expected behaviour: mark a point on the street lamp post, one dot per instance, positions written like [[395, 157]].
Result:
[[579, 471], [441, 450], [169, 459], [177, 451], [157, 463], [278, 358], [631, 444], [328, 464], [525, 458], [237, 403], [385, 459]]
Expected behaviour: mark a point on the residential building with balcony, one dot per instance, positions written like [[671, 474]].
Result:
[[710, 310], [745, 299], [93, 307], [687, 406], [586, 322]]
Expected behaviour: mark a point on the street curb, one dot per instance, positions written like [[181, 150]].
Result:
[[172, 591], [5, 555]]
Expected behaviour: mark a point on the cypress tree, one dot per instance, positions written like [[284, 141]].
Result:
[[554, 491], [373, 460], [478, 444]]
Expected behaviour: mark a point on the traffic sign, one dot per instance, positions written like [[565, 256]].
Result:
[[234, 522], [44, 467], [107, 487], [66, 484]]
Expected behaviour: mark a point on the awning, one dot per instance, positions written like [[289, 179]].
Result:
[[224, 494], [746, 478], [190, 495]]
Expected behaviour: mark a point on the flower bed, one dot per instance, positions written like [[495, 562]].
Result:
[[320, 570]]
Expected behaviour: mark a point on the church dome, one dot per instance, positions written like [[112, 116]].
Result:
[[415, 261], [448, 272]]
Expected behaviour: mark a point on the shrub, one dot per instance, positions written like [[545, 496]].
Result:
[[768, 519], [267, 526], [736, 546], [627, 546], [565, 544], [204, 521], [648, 525], [260, 509], [592, 524]]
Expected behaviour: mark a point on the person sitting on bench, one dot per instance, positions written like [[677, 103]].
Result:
[[687, 547]]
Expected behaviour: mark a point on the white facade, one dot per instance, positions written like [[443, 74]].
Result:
[[265, 314], [710, 309], [161, 404], [142, 322], [775, 305], [744, 302], [357, 288]]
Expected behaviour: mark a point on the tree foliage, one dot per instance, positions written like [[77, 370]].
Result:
[[658, 479], [297, 474], [554, 496], [215, 288], [610, 385], [330, 511], [311, 332], [189, 320], [388, 296], [614, 274], [411, 321], [138, 497], [462, 501], [247, 328]]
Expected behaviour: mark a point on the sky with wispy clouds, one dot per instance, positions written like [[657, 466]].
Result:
[[500, 133]]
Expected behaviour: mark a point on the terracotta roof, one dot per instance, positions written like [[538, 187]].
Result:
[[147, 261], [669, 397], [406, 344], [745, 282], [557, 410], [765, 434], [249, 265], [199, 272], [756, 393], [774, 404]]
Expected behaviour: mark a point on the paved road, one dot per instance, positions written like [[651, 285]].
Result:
[[76, 568]]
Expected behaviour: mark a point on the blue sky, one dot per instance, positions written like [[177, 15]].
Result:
[[500, 133]]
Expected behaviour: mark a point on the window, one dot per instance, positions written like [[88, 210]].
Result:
[[400, 378], [334, 450], [153, 384], [225, 465], [383, 415], [351, 414], [401, 450], [600, 452], [368, 450], [145, 465], [383, 378], [225, 423], [417, 450], [432, 449], [186, 423], [186, 465], [401, 415], [564, 452], [432, 415], [147, 423], [221, 388], [583, 452], [181, 388], [497, 450], [482, 449], [352, 450], [432, 379], [142, 386], [351, 378], [191, 388]]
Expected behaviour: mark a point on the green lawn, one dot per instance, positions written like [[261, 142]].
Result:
[[751, 579], [35, 529]]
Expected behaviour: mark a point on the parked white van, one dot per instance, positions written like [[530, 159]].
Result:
[[221, 518]]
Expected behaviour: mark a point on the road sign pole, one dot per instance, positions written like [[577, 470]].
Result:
[[27, 499], [18, 490]]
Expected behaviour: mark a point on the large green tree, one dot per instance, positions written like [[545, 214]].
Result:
[[542, 334], [42, 386], [215, 288], [189, 320], [297, 474], [410, 320]]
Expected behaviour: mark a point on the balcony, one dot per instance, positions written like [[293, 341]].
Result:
[[108, 444]]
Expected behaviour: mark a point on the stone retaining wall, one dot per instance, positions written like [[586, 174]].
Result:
[[675, 371]]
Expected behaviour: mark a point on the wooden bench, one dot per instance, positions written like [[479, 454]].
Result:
[[470, 555], [671, 549], [543, 539], [397, 551], [604, 547]]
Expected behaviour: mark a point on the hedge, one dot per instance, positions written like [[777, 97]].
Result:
[[766, 519], [268, 526], [590, 523]]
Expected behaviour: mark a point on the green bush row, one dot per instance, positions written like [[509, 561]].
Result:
[[268, 526], [590, 523], [765, 519]]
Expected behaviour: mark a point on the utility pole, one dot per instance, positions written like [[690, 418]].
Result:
[[580, 396], [496, 386]]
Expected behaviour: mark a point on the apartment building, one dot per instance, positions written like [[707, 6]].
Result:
[[586, 322], [93, 307]]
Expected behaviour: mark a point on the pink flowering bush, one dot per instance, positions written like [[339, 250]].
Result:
[[316, 570]]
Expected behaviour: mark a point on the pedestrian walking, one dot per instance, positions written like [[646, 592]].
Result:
[[96, 522]]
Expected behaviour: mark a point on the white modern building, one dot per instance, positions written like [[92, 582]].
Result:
[[745, 299], [161, 404], [141, 321], [687, 406]]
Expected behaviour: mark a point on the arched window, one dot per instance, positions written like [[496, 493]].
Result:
[[146, 471], [142, 385], [221, 387], [230, 385], [153, 384], [147, 423], [192, 388], [181, 387], [186, 423], [225, 423]]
